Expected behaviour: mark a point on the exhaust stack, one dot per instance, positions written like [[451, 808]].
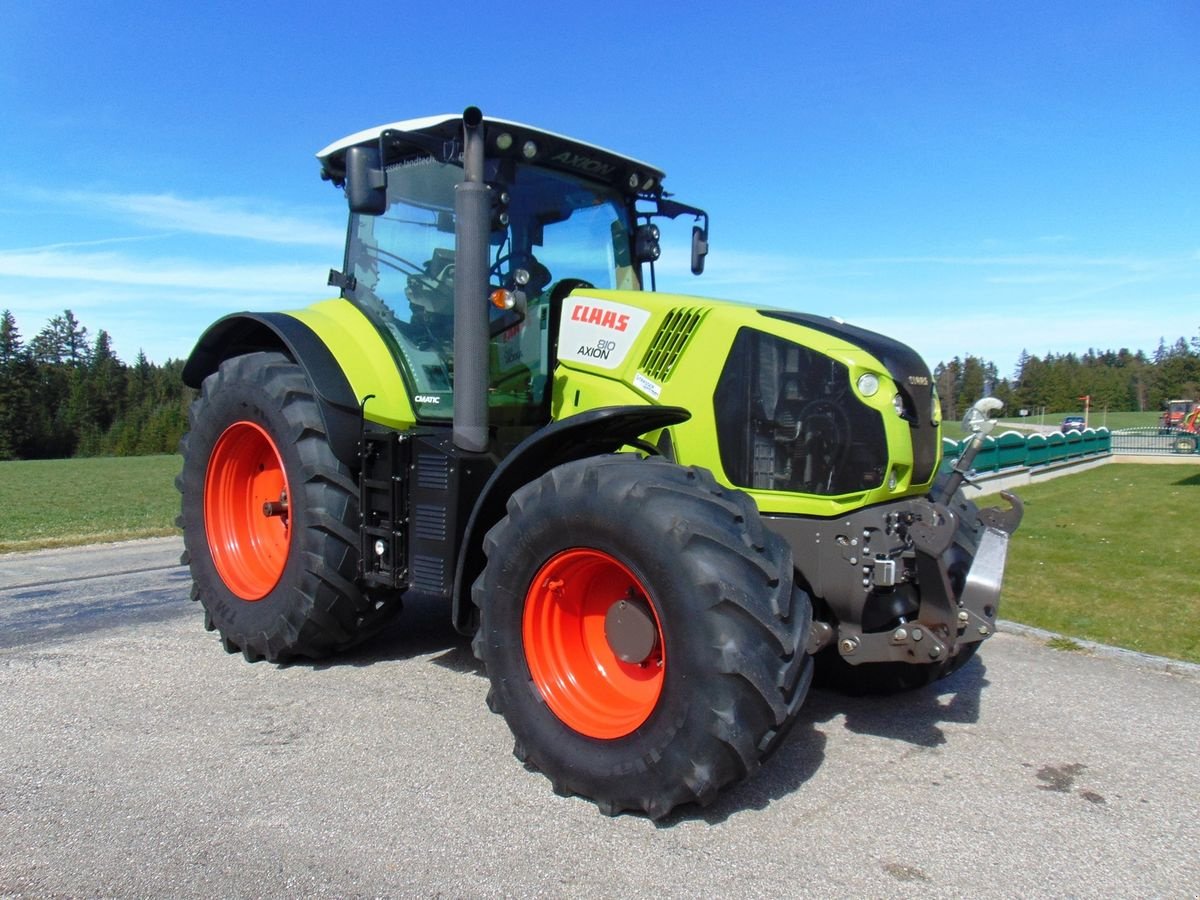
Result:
[[472, 208]]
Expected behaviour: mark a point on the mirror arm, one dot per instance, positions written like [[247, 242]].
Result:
[[980, 425]]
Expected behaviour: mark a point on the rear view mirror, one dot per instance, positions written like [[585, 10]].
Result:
[[699, 248], [366, 182]]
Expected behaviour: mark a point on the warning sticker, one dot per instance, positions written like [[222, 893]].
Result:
[[599, 332]]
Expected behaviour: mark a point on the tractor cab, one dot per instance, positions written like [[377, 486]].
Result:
[[560, 214]]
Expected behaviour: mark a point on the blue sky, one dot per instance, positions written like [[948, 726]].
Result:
[[972, 178]]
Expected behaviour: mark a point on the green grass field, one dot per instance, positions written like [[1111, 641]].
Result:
[[63, 502], [1106, 555], [1109, 555]]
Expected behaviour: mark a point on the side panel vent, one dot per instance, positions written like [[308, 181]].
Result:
[[429, 522], [672, 339], [429, 574], [433, 471]]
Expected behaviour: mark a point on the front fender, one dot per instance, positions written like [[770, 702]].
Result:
[[593, 433]]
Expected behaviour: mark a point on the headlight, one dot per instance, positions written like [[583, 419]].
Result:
[[898, 405], [868, 384]]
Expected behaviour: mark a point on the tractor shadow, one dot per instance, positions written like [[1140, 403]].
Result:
[[1190, 481], [422, 628], [914, 717]]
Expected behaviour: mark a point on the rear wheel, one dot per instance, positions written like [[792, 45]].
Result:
[[641, 632], [270, 516]]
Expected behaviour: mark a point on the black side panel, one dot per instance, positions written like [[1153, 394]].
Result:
[[249, 332], [592, 433], [443, 483]]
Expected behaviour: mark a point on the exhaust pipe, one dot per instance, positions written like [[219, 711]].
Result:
[[472, 229]]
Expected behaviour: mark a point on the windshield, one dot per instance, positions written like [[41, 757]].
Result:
[[402, 268]]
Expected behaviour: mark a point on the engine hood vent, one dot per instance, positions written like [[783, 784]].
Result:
[[672, 339]]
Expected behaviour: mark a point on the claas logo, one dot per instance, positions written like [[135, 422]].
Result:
[[598, 315]]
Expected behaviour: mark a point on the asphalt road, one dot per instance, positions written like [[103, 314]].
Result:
[[138, 759]]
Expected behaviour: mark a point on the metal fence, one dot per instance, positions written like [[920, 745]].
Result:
[[1154, 441]]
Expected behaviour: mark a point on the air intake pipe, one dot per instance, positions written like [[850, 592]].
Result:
[[472, 229]]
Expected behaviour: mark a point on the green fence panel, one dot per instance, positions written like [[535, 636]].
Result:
[[1074, 444], [1037, 450], [1057, 448], [1010, 450]]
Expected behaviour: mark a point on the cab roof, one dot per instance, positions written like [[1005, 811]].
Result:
[[503, 139]]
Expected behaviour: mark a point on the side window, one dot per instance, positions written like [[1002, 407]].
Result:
[[403, 267]]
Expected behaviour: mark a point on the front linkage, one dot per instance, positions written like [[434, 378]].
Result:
[[914, 581]]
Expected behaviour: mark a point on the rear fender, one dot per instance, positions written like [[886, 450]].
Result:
[[245, 332], [592, 433]]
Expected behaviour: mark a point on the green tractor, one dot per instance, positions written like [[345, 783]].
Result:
[[656, 515]]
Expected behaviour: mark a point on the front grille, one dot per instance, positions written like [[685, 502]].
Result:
[[788, 420]]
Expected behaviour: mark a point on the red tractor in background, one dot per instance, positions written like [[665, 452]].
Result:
[[1186, 437], [1176, 412]]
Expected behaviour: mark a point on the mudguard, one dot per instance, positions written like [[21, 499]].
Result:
[[248, 332], [592, 433]]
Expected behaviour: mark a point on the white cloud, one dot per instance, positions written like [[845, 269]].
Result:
[[116, 268], [234, 217]]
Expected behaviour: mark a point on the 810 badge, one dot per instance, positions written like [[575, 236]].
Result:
[[599, 332]]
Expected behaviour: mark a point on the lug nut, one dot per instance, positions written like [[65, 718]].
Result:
[[935, 651], [963, 617], [899, 636], [917, 634], [983, 629], [848, 646]]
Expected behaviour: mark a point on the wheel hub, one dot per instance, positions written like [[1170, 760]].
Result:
[[630, 629]]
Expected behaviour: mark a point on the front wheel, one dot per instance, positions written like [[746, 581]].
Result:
[[641, 631]]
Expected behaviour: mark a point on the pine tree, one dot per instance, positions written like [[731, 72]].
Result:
[[15, 386]]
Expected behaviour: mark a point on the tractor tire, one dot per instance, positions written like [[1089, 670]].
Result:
[[836, 674], [270, 517], [641, 631]]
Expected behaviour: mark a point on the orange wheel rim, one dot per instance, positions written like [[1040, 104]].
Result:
[[246, 510], [574, 666]]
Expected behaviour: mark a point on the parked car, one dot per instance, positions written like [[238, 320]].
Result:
[[1073, 423]]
